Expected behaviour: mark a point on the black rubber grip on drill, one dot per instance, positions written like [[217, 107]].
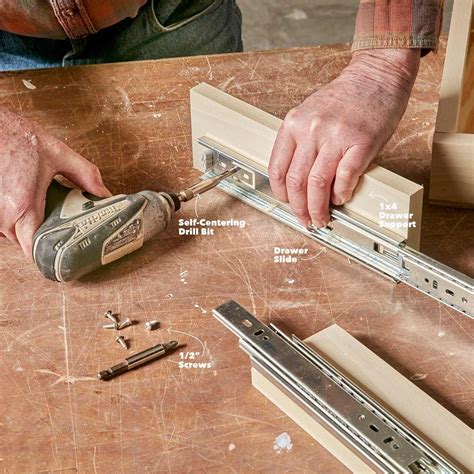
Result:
[[177, 203]]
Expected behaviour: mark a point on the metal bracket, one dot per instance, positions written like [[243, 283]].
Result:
[[349, 234], [329, 396]]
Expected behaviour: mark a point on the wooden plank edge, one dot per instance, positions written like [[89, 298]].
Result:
[[461, 205], [466, 113], [454, 67]]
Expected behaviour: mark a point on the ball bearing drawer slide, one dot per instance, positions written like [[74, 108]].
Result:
[[347, 233], [368, 428]]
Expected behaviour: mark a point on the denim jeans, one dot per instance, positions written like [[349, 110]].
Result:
[[158, 31]]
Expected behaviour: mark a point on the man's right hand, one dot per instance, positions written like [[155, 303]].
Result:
[[29, 159]]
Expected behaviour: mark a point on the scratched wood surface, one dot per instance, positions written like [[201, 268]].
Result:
[[133, 121]]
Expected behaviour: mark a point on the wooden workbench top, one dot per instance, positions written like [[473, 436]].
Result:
[[133, 121]]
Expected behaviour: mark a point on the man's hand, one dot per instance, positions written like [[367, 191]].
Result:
[[29, 159], [326, 143]]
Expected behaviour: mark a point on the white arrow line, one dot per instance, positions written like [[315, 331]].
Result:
[[190, 335], [323, 250], [373, 196]]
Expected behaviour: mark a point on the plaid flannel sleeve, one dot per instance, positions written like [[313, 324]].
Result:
[[398, 24]]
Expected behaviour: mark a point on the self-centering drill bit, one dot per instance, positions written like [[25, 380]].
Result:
[[137, 360]]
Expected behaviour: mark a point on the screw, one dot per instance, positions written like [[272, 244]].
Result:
[[151, 325], [121, 340], [112, 317], [206, 159], [109, 326], [125, 324]]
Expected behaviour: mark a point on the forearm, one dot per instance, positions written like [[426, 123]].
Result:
[[393, 68], [381, 80]]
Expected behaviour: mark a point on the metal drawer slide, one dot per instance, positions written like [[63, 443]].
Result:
[[324, 393], [349, 234]]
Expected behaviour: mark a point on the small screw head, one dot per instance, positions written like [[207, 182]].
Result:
[[121, 340], [111, 316], [151, 325], [206, 159]]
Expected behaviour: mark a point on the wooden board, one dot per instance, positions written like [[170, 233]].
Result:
[[452, 175], [454, 67], [252, 133], [403, 398], [452, 172], [466, 114], [379, 187]]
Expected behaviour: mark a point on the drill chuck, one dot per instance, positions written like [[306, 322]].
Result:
[[204, 185]]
